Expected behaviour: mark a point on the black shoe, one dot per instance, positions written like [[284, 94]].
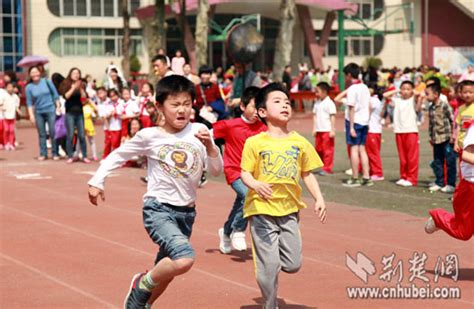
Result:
[[367, 182], [136, 297], [203, 180], [352, 183], [144, 179]]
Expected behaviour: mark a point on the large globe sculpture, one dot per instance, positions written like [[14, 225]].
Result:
[[243, 43]]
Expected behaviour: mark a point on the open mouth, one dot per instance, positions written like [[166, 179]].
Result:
[[180, 118], [285, 113]]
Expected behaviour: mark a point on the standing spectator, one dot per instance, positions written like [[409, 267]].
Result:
[[468, 74], [144, 97], [74, 92], [374, 137], [177, 63], [287, 77], [161, 66], [189, 74], [42, 98], [441, 138], [115, 79], [9, 106]]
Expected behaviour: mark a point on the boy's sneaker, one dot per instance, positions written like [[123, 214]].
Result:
[[400, 182], [406, 183], [434, 188], [377, 178], [447, 189], [367, 182], [430, 226], [238, 241], [348, 172], [352, 183], [224, 242], [136, 297], [144, 179]]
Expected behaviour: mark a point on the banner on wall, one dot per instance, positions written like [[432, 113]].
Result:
[[453, 59]]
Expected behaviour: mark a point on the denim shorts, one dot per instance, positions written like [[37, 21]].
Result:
[[361, 134], [169, 227]]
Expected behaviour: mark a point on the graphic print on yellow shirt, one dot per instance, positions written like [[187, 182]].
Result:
[[463, 120], [279, 162]]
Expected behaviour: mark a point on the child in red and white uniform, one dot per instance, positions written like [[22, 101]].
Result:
[[406, 132], [9, 106], [459, 225], [374, 137], [113, 113], [145, 96], [235, 132], [130, 110], [324, 127]]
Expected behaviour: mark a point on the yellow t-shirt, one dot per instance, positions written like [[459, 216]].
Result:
[[278, 161], [465, 115]]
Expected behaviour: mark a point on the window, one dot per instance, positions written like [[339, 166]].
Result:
[[11, 35], [365, 8], [355, 45], [95, 8], [93, 42]]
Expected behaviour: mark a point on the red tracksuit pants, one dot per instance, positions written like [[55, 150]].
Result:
[[408, 145], [459, 225], [325, 149], [112, 141], [372, 146]]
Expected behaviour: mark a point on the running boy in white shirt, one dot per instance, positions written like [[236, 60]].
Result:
[[177, 153], [324, 127], [357, 126]]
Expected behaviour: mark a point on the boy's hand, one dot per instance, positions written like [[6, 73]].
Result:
[[206, 139], [264, 190], [353, 133], [320, 209], [457, 148], [314, 133], [94, 193], [332, 134]]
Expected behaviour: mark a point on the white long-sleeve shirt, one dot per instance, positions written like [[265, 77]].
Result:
[[175, 163]]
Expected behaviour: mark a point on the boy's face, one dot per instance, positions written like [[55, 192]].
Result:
[[205, 78], [278, 109], [113, 97], [249, 111], [160, 68], [320, 93], [9, 88], [126, 95], [102, 95], [468, 94], [177, 110], [431, 95], [406, 91]]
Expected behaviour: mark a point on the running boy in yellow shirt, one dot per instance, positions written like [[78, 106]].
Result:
[[272, 164]]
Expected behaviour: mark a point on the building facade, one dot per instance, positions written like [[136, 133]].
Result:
[[88, 33]]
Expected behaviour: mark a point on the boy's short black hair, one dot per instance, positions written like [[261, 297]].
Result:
[[129, 126], [324, 87], [110, 91], [352, 69], [434, 79], [435, 88], [205, 69], [171, 85], [101, 88], [162, 58], [407, 82], [249, 94], [261, 98], [9, 83], [465, 83], [124, 88]]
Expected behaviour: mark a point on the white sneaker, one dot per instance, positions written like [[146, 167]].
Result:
[[406, 183], [400, 182], [435, 188], [348, 172], [430, 226], [224, 242], [447, 189], [238, 241]]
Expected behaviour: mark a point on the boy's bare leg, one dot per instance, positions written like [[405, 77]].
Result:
[[164, 272], [365, 161], [355, 161]]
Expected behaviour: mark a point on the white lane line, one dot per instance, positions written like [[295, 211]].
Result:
[[58, 281]]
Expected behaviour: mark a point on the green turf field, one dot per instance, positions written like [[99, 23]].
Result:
[[384, 194]]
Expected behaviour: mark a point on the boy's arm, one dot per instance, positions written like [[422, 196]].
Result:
[[340, 96], [351, 120], [390, 93], [214, 159], [333, 126], [314, 125], [313, 187], [136, 146], [264, 190], [468, 154]]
